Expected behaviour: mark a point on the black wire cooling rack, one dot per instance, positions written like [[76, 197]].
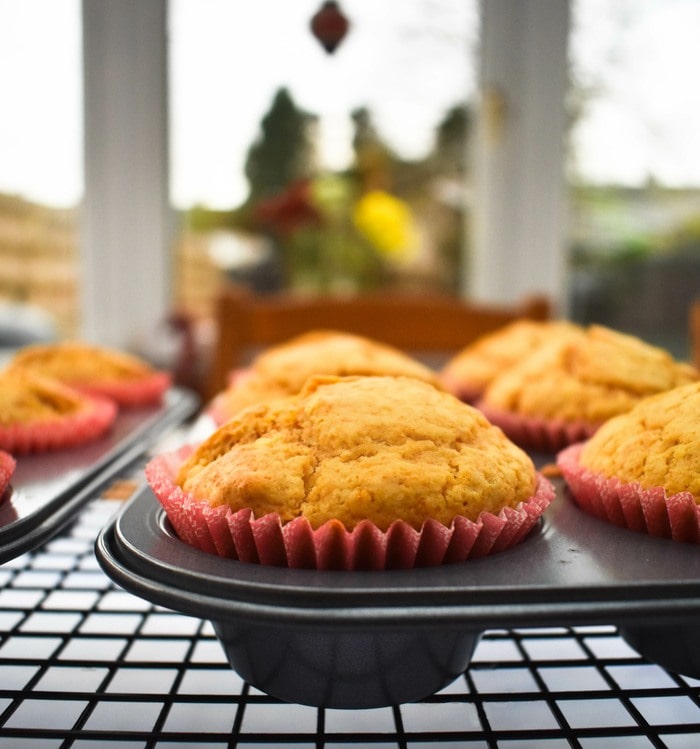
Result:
[[85, 664]]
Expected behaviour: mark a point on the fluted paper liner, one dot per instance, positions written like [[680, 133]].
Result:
[[535, 433], [132, 393], [95, 417], [462, 390], [266, 540], [7, 469], [629, 505], [216, 409]]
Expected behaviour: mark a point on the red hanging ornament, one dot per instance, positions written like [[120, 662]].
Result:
[[329, 25]]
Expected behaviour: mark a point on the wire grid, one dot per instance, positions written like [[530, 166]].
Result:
[[85, 664]]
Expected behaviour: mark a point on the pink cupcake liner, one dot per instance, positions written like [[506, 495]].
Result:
[[7, 469], [91, 421], [216, 409], [536, 433], [629, 505], [130, 393], [266, 540], [465, 392]]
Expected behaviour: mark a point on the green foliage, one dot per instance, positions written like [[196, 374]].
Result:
[[451, 139], [283, 152], [685, 237], [280, 169], [202, 219], [627, 226]]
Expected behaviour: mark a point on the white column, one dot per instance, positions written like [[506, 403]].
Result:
[[126, 229], [519, 211]]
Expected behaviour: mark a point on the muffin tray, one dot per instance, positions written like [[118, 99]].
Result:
[[47, 489], [369, 639]]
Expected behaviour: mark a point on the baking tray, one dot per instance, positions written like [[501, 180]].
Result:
[[47, 489], [370, 639]]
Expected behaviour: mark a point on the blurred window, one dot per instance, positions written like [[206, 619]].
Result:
[[40, 167], [294, 167], [370, 166], [634, 167]]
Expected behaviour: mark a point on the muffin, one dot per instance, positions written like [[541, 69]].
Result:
[[283, 370], [7, 469], [353, 473], [39, 414], [469, 371], [564, 390], [95, 370], [641, 470]]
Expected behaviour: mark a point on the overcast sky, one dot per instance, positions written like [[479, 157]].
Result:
[[407, 60]]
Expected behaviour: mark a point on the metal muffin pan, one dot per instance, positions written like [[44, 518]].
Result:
[[47, 489], [370, 639]]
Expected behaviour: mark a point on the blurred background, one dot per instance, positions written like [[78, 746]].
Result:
[[245, 149]]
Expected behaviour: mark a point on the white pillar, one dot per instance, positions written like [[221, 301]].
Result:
[[519, 210], [126, 223]]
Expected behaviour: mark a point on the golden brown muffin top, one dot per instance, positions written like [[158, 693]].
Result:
[[376, 447], [657, 443], [477, 364], [27, 398], [590, 375], [79, 363], [282, 370]]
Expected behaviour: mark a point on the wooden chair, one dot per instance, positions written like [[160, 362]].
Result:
[[419, 323], [694, 333]]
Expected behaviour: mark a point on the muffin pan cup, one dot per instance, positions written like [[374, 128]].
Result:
[[376, 638]]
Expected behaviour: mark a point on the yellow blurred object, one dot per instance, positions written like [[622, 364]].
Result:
[[387, 223]]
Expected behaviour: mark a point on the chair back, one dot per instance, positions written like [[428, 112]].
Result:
[[423, 324], [694, 333]]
